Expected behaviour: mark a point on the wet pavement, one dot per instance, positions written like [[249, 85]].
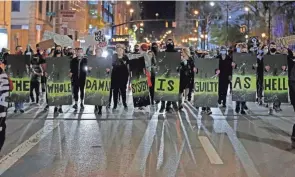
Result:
[[137, 143]]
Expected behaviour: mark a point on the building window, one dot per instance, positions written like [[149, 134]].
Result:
[[15, 6], [40, 6], [51, 6], [47, 6]]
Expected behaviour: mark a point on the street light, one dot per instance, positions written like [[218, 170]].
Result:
[[263, 35], [202, 36], [196, 12], [246, 36], [131, 11], [195, 31], [126, 28], [212, 4], [247, 9], [128, 2], [157, 15], [141, 24]]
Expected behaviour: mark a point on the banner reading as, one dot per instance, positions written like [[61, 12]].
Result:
[[244, 77]]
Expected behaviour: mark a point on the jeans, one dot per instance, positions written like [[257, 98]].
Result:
[[19, 105]]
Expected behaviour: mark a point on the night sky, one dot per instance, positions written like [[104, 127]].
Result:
[[165, 9]]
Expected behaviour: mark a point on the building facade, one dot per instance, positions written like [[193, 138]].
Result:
[[29, 20], [5, 22]]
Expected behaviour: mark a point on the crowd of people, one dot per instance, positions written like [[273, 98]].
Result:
[[120, 74]]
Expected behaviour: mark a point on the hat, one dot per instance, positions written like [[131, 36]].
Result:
[[144, 47]]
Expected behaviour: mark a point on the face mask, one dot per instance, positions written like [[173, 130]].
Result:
[[58, 52], [273, 50], [136, 50]]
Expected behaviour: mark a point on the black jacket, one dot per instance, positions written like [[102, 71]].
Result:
[[225, 67], [78, 72], [186, 74], [291, 66], [120, 73]]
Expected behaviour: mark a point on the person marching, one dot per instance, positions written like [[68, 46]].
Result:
[[186, 70], [36, 73], [78, 73], [169, 48], [119, 76], [19, 106], [5, 88], [153, 55]]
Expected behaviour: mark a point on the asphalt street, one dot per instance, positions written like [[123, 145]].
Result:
[[146, 143]]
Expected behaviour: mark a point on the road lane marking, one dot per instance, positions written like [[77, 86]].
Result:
[[210, 151], [10, 159]]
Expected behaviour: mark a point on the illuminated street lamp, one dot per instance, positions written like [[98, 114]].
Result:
[[196, 12], [157, 14], [131, 11], [126, 28], [212, 4], [247, 9], [141, 24], [206, 36], [128, 2], [202, 36], [246, 36], [195, 31], [263, 35]]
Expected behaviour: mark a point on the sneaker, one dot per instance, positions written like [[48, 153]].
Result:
[[245, 107], [60, 110], [75, 106], [243, 112], [21, 111], [82, 106], [46, 108], [55, 109], [15, 111], [115, 107], [224, 105], [270, 112], [95, 108], [237, 110]]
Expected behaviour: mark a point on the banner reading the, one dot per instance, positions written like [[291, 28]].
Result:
[[206, 83], [244, 77], [59, 87], [140, 89], [167, 77], [19, 72], [98, 82], [275, 78]]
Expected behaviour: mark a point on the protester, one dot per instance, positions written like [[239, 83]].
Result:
[[78, 73], [120, 74], [241, 105], [259, 72], [5, 87], [19, 105], [36, 73], [225, 68], [186, 70], [169, 48]]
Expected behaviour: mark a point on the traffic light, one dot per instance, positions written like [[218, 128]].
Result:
[[166, 24]]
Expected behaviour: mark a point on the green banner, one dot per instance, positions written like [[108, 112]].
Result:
[[167, 77], [18, 71], [98, 82], [275, 78], [244, 77], [59, 87], [206, 83], [140, 89]]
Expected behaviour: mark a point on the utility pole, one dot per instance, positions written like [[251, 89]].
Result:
[[227, 24]]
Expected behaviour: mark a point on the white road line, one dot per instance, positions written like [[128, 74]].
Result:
[[10, 159], [210, 151]]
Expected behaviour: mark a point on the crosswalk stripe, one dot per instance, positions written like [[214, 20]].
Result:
[[210, 151]]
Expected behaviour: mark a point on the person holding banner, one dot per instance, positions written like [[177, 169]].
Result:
[[120, 74], [169, 48], [259, 72], [5, 88], [36, 73], [186, 70], [225, 68], [78, 73]]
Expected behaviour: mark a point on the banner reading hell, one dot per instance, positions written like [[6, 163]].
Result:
[[167, 77], [206, 83], [275, 78], [59, 87], [98, 82], [140, 89], [18, 71], [244, 77]]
